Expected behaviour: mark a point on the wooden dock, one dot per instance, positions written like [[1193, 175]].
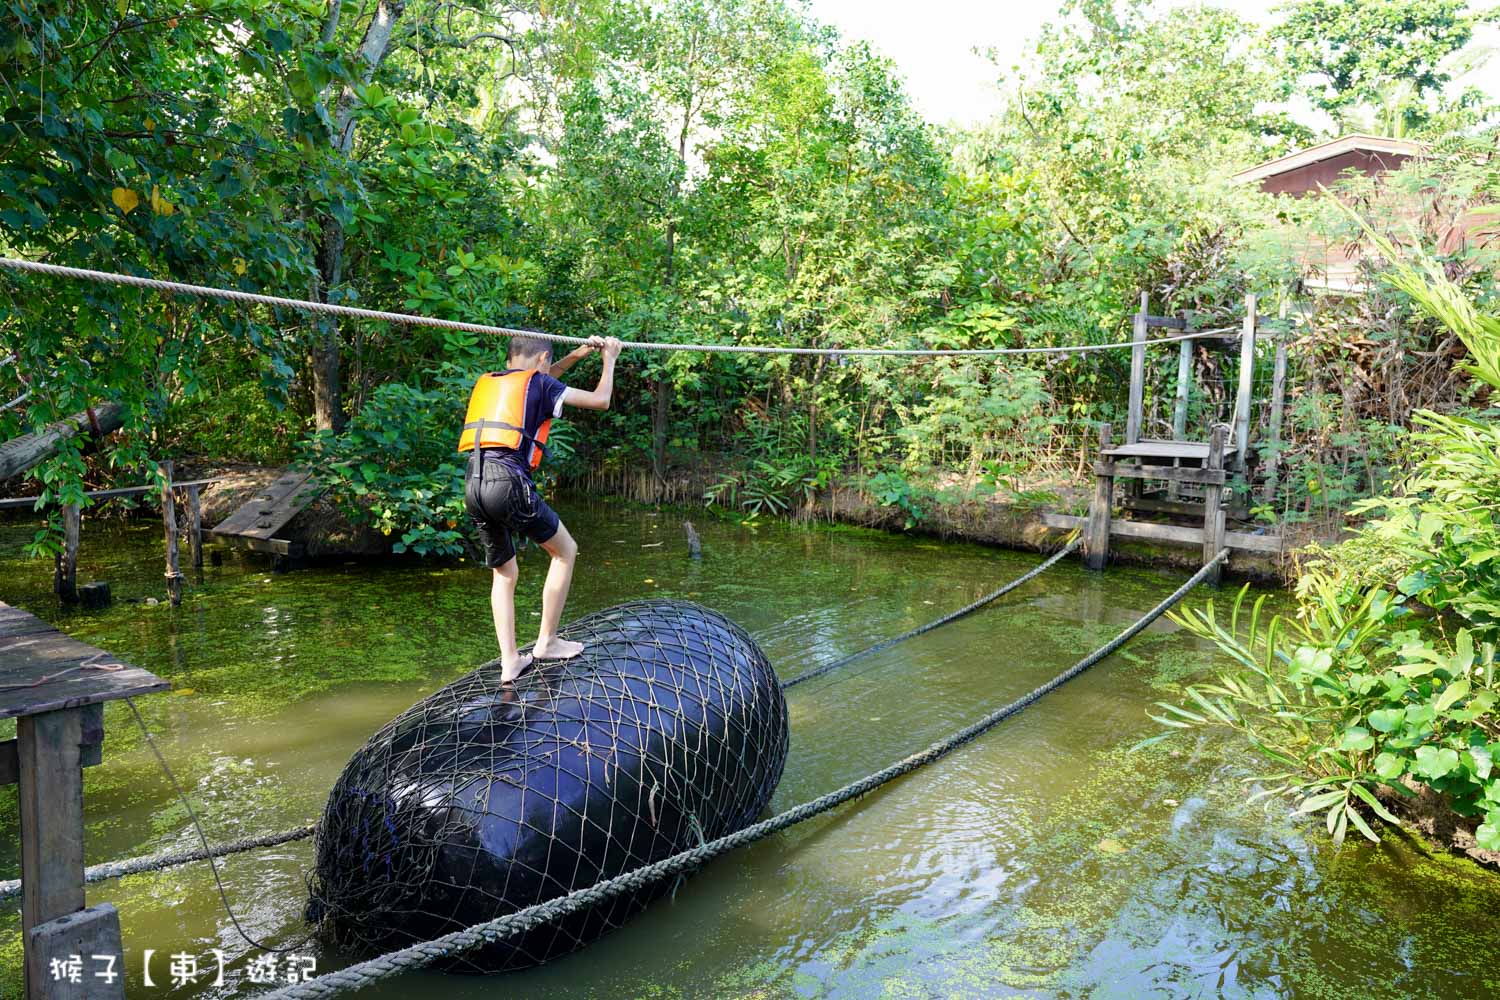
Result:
[[55, 687], [255, 523]]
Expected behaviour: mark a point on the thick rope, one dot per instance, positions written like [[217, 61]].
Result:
[[11, 888], [170, 859], [885, 644], [234, 295], [421, 955]]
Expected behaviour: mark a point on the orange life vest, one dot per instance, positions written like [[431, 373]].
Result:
[[497, 416]]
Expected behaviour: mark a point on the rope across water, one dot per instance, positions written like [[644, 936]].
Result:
[[408, 319], [935, 623], [420, 955], [170, 859]]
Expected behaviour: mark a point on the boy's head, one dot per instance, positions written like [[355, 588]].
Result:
[[530, 352]]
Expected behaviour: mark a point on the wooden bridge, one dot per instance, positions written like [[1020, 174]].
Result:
[[55, 688]]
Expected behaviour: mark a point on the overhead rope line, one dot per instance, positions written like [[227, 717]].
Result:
[[11, 888], [420, 955], [410, 319], [885, 644]]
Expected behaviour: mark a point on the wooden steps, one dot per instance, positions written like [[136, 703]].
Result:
[[255, 523]]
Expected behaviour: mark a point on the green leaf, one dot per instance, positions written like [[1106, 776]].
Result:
[[1387, 720], [1360, 824], [1451, 694], [369, 470], [1389, 766], [1375, 806], [1356, 738], [1434, 762]]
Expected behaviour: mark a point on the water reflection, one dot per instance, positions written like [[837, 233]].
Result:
[[1041, 861]]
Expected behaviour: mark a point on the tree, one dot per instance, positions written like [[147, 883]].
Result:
[[1392, 57]]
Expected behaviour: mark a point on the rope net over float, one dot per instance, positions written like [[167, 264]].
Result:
[[487, 797], [654, 877]]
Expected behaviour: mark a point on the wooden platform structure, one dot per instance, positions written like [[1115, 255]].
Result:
[[65, 575], [55, 688], [1158, 470], [255, 523]]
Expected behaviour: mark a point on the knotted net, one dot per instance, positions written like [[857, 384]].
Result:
[[484, 798]]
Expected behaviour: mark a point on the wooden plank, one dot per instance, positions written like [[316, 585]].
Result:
[[1278, 404], [1096, 537], [1171, 533], [10, 763], [1154, 505], [270, 546], [1134, 415], [1166, 322], [268, 511], [51, 798], [1195, 450], [87, 933], [1169, 473], [42, 670]]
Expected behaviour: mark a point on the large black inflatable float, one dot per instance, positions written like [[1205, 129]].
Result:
[[484, 798]]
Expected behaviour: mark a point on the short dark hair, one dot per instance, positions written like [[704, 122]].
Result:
[[522, 346]]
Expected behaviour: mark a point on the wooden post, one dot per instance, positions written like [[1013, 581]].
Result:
[[1247, 375], [92, 934], [1096, 538], [1278, 403], [1180, 405], [1213, 504], [51, 798], [195, 527], [65, 576], [169, 520], [1184, 384], [1134, 414]]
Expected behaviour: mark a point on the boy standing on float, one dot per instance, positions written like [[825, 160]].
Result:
[[510, 415]]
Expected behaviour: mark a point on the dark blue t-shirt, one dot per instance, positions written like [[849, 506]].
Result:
[[544, 401]]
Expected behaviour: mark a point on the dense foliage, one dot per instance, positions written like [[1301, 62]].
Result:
[[1386, 677], [686, 170]]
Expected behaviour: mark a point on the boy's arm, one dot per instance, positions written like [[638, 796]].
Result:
[[574, 356], [599, 398]]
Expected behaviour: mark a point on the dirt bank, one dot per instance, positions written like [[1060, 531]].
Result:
[[988, 521]]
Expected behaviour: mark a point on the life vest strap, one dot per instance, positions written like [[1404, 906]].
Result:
[[480, 426]]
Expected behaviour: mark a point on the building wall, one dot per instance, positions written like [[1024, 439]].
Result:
[[1305, 180]]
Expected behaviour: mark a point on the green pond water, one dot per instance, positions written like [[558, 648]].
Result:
[[1043, 860]]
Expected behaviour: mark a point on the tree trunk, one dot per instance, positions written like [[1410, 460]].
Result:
[[20, 454], [661, 410], [328, 411]]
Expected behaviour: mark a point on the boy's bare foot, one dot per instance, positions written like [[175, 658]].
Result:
[[556, 649], [510, 671]]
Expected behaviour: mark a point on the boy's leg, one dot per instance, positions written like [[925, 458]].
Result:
[[503, 604], [564, 553]]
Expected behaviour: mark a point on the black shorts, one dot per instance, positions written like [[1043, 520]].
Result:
[[500, 500]]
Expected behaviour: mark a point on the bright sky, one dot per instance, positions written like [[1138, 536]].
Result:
[[932, 43]]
